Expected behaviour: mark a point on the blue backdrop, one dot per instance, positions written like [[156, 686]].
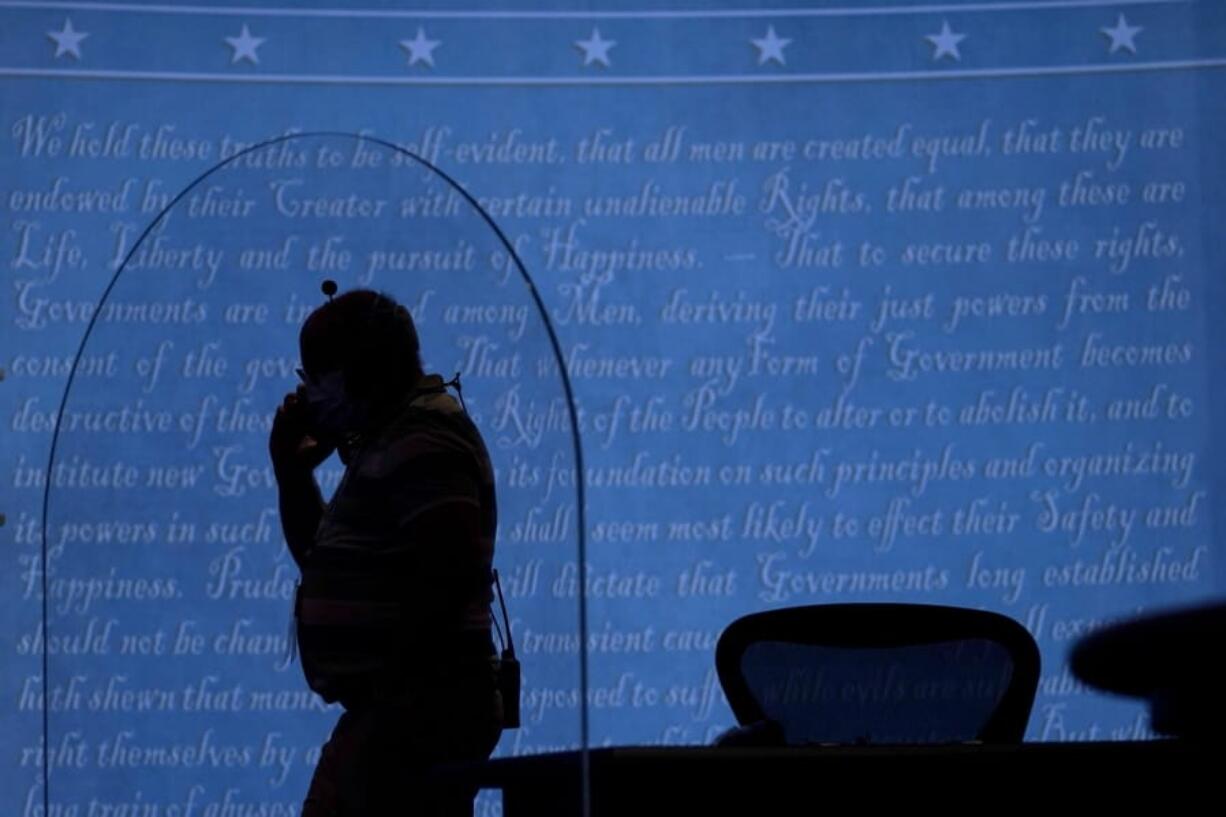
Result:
[[892, 302]]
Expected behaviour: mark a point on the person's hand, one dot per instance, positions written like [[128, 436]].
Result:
[[290, 445]]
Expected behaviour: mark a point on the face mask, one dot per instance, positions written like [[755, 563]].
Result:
[[331, 411]]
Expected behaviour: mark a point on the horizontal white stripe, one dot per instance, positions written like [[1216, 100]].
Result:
[[714, 79]]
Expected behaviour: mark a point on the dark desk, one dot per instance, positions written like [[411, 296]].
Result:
[[695, 781]]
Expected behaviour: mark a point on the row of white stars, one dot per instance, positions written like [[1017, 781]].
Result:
[[595, 48]]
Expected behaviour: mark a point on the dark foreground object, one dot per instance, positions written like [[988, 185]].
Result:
[[1173, 660]]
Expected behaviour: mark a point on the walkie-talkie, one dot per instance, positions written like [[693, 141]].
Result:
[[508, 669]]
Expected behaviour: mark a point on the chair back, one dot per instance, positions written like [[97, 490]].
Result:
[[880, 673]]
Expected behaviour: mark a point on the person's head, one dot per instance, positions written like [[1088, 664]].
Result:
[[365, 342]]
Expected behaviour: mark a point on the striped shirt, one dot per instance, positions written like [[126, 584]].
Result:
[[399, 572]]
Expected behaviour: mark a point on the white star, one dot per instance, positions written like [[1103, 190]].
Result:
[[1121, 36], [595, 49], [770, 47], [244, 46], [945, 43], [420, 49], [67, 41]]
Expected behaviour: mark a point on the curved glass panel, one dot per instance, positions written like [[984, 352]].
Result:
[[170, 583]]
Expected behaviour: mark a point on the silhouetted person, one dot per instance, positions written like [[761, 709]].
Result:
[[392, 612]]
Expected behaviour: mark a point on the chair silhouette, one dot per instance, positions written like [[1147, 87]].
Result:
[[877, 674]]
